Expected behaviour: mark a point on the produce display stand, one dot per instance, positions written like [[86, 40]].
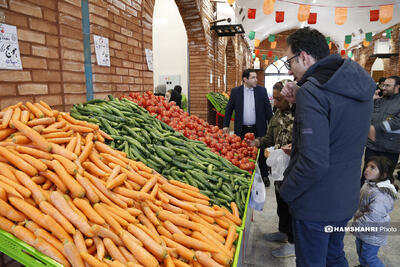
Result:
[[24, 253], [238, 248]]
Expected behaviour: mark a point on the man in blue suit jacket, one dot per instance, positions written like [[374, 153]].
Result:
[[252, 112]]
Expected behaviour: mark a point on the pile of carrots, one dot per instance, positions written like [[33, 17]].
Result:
[[82, 203]]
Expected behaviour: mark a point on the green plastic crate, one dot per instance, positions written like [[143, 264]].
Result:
[[24, 253], [238, 246]]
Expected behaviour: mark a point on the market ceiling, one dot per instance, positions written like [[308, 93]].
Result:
[[357, 23]]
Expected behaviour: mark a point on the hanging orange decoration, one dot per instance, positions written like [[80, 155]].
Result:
[[365, 43], [266, 62], [257, 52], [304, 12], [330, 45], [256, 43], [273, 45], [340, 15], [346, 46], [268, 6], [231, 2], [385, 13]]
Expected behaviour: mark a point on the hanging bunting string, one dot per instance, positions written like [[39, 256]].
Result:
[[319, 5]]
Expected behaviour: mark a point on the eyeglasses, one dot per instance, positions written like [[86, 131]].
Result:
[[287, 62]]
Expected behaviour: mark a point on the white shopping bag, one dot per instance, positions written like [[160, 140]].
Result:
[[278, 161], [257, 197]]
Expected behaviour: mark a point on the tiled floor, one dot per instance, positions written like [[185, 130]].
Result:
[[258, 251]]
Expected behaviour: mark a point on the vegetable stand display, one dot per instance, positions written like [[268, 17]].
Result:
[[86, 192]]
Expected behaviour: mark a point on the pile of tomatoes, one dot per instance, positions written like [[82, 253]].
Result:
[[230, 146]]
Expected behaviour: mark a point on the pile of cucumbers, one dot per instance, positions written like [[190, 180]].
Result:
[[147, 139], [218, 100]]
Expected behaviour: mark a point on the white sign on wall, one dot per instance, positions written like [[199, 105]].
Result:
[[102, 50], [149, 58], [170, 80], [9, 49]]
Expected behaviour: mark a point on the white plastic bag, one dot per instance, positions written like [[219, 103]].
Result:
[[278, 161], [257, 197]]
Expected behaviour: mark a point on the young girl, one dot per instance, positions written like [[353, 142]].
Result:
[[376, 202]]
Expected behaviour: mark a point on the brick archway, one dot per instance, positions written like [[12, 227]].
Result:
[[231, 64], [196, 16]]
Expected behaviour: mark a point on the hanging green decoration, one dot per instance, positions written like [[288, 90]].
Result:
[[388, 33], [271, 38], [252, 35], [264, 57], [368, 36], [276, 58], [253, 55], [347, 39], [328, 39], [350, 54]]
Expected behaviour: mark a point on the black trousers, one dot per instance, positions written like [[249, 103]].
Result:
[[261, 158], [393, 157], [285, 218]]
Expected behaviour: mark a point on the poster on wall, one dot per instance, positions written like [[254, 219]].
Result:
[[9, 49], [149, 58], [102, 50]]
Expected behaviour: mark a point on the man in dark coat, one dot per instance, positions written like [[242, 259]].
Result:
[[252, 112], [333, 114]]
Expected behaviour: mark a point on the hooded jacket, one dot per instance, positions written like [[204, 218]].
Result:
[[333, 113], [376, 202]]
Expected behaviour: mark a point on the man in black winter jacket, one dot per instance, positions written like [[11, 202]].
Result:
[[321, 185]]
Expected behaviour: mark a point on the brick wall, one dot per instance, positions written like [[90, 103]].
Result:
[[51, 46], [231, 64], [364, 55]]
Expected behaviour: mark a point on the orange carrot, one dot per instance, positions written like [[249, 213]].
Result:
[[229, 215], [55, 180], [99, 137], [183, 251], [172, 228], [43, 109], [89, 242], [15, 116], [94, 157], [90, 193], [117, 181], [163, 231], [57, 149], [50, 239], [87, 209], [76, 189], [149, 184], [92, 261], [34, 152], [20, 140], [57, 135], [9, 212], [93, 169], [195, 194], [69, 166], [143, 167], [38, 128], [128, 256], [41, 121], [208, 211], [164, 216], [60, 141], [106, 149], [24, 117], [148, 242], [113, 250], [106, 233], [71, 120], [23, 233], [71, 145], [61, 204], [132, 175], [87, 149], [207, 218], [19, 188], [183, 185], [100, 250], [121, 213], [36, 138], [105, 135], [205, 260], [142, 255], [109, 194], [80, 242], [78, 146], [149, 214], [73, 254], [6, 224], [113, 159], [174, 191], [6, 118], [47, 208], [37, 112], [181, 204], [37, 164], [231, 237], [134, 212], [3, 194], [107, 217], [4, 133], [37, 194], [18, 161]]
